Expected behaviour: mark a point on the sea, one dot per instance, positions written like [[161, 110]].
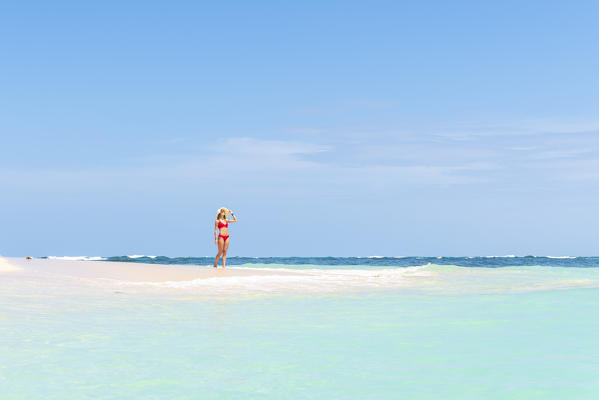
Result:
[[489, 327]]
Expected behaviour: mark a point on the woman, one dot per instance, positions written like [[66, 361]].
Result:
[[221, 229]]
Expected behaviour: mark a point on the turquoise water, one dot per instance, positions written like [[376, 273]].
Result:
[[529, 345], [506, 333]]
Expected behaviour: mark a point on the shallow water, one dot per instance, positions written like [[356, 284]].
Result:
[[523, 345], [366, 331]]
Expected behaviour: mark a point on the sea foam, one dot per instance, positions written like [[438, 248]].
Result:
[[272, 280], [140, 256], [449, 279], [75, 258]]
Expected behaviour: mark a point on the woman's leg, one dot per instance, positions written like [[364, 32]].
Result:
[[220, 251], [225, 249]]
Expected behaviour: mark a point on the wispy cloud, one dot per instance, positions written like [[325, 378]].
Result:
[[247, 162], [244, 146], [374, 160], [524, 128], [561, 154]]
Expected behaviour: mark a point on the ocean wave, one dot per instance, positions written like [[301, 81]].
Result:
[[561, 257], [377, 257], [140, 256]]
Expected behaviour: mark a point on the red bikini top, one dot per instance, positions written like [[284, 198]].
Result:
[[220, 224]]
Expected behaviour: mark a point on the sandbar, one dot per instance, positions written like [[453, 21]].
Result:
[[124, 271]]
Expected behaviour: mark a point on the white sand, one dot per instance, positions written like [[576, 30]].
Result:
[[133, 272], [56, 276], [5, 266]]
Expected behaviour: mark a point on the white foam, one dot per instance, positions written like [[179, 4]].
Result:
[[140, 256], [560, 256], [310, 280], [430, 278], [76, 258]]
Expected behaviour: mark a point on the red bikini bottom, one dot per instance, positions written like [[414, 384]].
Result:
[[224, 237]]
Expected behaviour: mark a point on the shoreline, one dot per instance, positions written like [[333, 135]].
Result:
[[57, 276], [127, 271], [20, 276]]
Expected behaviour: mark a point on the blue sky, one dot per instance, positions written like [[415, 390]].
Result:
[[331, 128]]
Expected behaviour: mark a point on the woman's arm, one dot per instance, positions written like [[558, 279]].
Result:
[[215, 231], [234, 218]]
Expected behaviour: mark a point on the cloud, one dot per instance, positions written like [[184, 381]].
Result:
[[573, 170], [269, 148], [372, 161], [242, 164], [525, 128], [561, 154]]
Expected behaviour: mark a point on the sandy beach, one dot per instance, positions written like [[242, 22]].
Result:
[[21, 275], [130, 272], [58, 276], [55, 276], [5, 266]]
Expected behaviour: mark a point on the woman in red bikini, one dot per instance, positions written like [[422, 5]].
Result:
[[221, 229]]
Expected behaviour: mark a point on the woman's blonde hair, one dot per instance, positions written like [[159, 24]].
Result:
[[222, 210]]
